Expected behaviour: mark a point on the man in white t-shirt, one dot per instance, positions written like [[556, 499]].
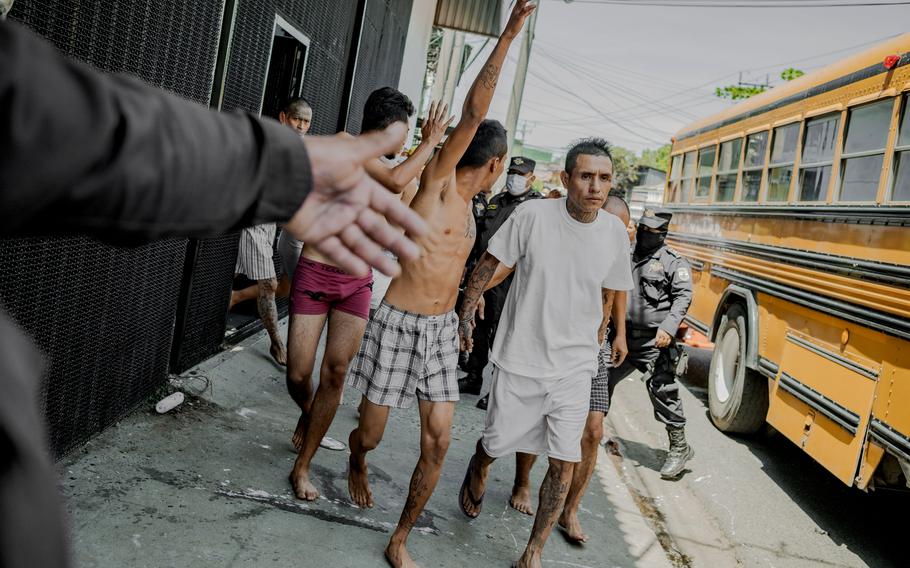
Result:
[[569, 258]]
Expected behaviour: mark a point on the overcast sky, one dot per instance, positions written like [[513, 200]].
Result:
[[652, 70]]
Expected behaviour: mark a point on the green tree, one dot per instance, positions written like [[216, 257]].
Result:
[[738, 92], [658, 158], [625, 173]]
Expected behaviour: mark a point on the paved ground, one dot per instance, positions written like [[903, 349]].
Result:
[[206, 485]]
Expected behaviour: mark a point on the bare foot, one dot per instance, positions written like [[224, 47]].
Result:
[[571, 527], [521, 499], [279, 354], [528, 560], [300, 482], [398, 556], [299, 433], [359, 484]]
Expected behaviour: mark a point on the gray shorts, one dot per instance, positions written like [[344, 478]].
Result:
[[406, 355], [254, 256]]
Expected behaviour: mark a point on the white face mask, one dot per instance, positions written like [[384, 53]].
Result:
[[516, 184]]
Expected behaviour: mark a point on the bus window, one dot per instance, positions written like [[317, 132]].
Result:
[[783, 154], [675, 176], [705, 170], [818, 154], [864, 151], [753, 165], [727, 168], [901, 189], [688, 172]]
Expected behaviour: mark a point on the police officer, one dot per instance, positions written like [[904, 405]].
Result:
[[519, 178], [656, 307]]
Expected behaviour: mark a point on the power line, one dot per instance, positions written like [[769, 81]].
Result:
[[736, 4]]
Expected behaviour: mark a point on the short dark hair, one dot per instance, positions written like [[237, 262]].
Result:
[[295, 102], [385, 106], [490, 141], [587, 147]]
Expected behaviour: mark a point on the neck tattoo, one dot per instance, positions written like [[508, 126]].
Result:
[[580, 214]]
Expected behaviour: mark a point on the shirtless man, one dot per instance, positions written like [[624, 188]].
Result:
[[611, 356], [323, 292], [410, 349]]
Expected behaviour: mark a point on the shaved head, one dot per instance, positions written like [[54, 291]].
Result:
[[618, 206]]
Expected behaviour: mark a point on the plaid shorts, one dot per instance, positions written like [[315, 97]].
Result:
[[404, 355], [600, 385], [255, 252]]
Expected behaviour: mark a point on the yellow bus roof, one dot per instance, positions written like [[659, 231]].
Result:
[[875, 55]]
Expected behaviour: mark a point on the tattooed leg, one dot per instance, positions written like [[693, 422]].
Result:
[[435, 432], [552, 497], [268, 313]]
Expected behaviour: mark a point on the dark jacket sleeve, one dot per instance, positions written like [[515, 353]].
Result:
[[109, 155], [680, 276]]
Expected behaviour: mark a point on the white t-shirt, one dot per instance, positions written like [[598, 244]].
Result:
[[554, 308]]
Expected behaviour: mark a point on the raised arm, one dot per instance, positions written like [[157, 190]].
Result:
[[477, 102], [432, 130]]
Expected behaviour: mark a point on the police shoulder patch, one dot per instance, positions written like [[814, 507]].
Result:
[[683, 274], [491, 206]]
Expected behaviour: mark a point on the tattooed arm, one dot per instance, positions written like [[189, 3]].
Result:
[[477, 102], [607, 296], [473, 291]]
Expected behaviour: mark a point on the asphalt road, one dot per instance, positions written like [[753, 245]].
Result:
[[757, 501]]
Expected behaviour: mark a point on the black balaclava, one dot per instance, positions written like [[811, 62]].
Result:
[[647, 242]]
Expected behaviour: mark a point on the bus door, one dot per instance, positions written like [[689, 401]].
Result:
[[822, 399]]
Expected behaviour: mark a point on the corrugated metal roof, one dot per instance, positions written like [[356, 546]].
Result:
[[475, 16]]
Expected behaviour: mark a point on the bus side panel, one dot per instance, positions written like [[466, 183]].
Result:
[[890, 425]]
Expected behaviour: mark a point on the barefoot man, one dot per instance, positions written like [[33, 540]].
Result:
[[609, 356], [410, 349], [323, 292], [568, 261]]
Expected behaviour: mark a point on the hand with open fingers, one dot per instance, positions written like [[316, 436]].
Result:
[[435, 124], [347, 213], [466, 334], [520, 12], [619, 349], [662, 339]]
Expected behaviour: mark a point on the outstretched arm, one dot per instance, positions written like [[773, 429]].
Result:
[[479, 97], [473, 291], [432, 130]]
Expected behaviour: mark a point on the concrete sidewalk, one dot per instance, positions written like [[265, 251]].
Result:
[[206, 485]]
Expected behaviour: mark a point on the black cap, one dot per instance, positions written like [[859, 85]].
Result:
[[656, 219], [522, 165]]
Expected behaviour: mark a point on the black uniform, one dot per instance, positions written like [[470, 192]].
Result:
[[660, 299], [500, 208]]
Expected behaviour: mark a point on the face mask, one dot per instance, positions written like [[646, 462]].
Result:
[[647, 242], [516, 184]]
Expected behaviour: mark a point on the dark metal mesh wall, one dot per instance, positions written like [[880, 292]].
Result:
[[105, 315], [328, 25], [385, 27]]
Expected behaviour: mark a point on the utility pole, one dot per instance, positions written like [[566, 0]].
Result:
[[518, 86]]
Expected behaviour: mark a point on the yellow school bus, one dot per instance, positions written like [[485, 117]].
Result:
[[794, 209]]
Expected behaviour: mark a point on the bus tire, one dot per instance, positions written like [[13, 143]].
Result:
[[737, 395]]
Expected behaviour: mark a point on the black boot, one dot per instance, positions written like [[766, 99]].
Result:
[[482, 403], [471, 384], [679, 453]]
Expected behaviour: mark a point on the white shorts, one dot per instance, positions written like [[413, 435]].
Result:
[[255, 252], [381, 284], [535, 416]]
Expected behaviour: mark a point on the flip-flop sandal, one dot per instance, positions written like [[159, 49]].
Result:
[[568, 537], [465, 491], [332, 444]]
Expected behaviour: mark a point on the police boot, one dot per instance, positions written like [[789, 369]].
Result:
[[679, 453], [470, 384]]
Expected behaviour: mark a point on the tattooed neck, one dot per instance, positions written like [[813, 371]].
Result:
[[580, 214]]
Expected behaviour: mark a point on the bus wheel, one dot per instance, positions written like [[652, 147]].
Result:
[[737, 396]]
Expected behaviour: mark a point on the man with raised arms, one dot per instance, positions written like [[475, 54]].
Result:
[[410, 348], [568, 259]]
